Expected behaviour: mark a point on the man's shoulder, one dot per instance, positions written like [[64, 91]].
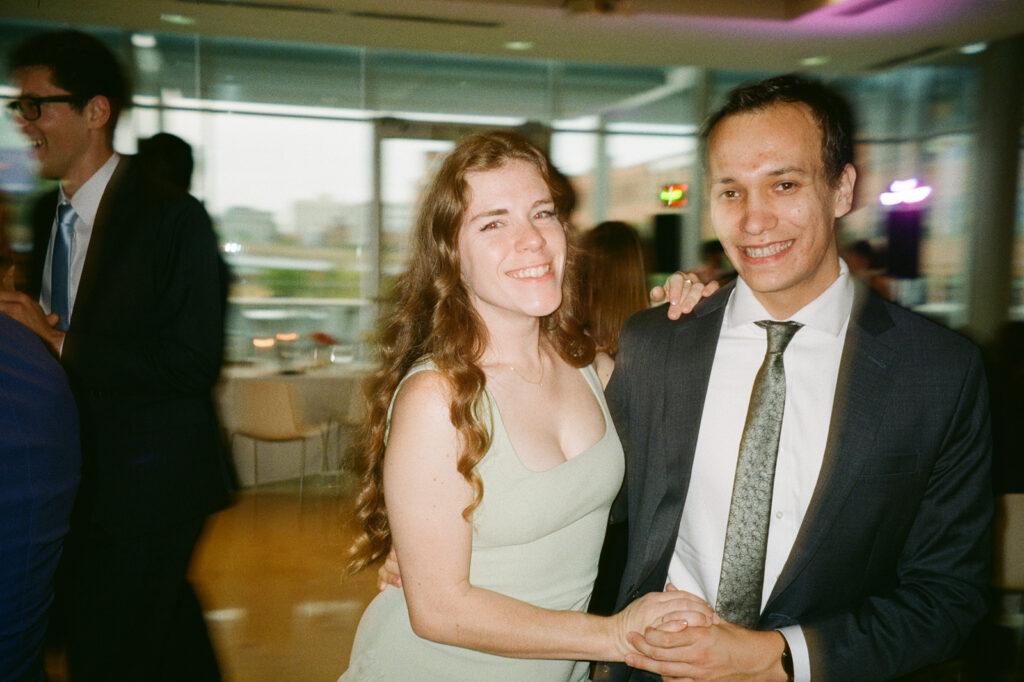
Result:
[[133, 193], [927, 341], [911, 323], [655, 320]]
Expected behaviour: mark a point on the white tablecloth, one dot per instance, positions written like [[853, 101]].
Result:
[[329, 394]]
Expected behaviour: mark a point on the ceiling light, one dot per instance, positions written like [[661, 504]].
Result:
[[177, 19], [143, 40], [820, 60], [519, 45], [974, 48]]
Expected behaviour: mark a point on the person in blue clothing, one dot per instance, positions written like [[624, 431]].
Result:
[[40, 467]]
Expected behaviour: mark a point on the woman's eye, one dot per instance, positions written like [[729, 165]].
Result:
[[545, 215]]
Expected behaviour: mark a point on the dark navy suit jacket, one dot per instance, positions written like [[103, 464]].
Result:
[[890, 566], [40, 466]]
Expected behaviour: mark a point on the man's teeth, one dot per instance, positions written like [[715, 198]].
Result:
[[37, 143], [526, 273], [769, 250]]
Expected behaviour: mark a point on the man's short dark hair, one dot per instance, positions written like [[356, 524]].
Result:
[[80, 63], [829, 109]]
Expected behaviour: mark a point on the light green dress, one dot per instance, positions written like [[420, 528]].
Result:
[[537, 537]]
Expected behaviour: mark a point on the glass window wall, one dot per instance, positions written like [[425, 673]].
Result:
[[313, 198]]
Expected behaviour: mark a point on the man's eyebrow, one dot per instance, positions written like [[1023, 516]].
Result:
[[775, 172], [788, 169]]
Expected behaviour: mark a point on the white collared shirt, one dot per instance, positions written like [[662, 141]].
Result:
[[812, 368], [86, 203]]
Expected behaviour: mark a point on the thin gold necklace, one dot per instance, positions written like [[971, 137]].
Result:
[[519, 374]]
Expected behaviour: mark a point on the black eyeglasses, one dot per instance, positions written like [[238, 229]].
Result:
[[28, 108]]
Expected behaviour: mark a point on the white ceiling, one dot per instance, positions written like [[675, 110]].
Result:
[[760, 35]]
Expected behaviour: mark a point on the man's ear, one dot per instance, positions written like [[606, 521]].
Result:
[[844, 191], [97, 111]]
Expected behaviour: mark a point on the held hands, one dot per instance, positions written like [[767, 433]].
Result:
[[673, 611], [682, 290], [721, 651]]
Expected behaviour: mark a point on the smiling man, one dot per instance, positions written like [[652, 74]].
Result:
[[833, 501], [127, 288]]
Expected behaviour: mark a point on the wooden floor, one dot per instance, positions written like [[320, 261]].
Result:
[[269, 572]]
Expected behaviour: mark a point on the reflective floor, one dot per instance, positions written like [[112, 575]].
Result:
[[270, 574]]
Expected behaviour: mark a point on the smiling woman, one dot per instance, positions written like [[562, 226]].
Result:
[[488, 461]]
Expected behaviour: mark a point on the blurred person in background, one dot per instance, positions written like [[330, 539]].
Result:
[[711, 268], [167, 158], [127, 289], [864, 263], [614, 281]]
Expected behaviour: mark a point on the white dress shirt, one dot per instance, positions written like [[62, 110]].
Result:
[[86, 203], [812, 368]]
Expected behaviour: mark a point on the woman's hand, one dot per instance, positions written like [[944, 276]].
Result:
[[673, 610], [682, 290]]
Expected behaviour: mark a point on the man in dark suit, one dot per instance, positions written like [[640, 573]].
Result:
[[129, 293], [877, 551]]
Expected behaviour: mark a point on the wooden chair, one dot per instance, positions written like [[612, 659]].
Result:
[[266, 412], [345, 425]]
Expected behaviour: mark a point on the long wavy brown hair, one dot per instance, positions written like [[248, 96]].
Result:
[[432, 317], [614, 281]]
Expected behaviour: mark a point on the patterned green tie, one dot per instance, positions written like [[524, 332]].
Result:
[[746, 537]]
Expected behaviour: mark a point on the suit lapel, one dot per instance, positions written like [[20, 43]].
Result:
[[856, 413], [687, 362], [104, 232]]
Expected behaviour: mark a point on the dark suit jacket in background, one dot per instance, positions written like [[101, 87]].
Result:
[[890, 566], [40, 465], [143, 353]]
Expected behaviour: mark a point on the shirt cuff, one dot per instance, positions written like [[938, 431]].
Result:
[[794, 635]]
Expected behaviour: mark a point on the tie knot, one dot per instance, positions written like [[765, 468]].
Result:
[[65, 215], [779, 333]]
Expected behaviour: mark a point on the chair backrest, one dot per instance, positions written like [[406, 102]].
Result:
[[267, 411], [1008, 543]]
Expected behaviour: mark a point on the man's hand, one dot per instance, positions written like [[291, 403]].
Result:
[[720, 652], [27, 311], [682, 290], [388, 573]]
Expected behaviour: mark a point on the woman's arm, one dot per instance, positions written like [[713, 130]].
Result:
[[425, 496]]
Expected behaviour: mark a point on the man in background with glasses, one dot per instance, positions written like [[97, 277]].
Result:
[[127, 288]]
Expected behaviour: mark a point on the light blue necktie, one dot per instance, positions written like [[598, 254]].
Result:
[[60, 268], [746, 536]]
